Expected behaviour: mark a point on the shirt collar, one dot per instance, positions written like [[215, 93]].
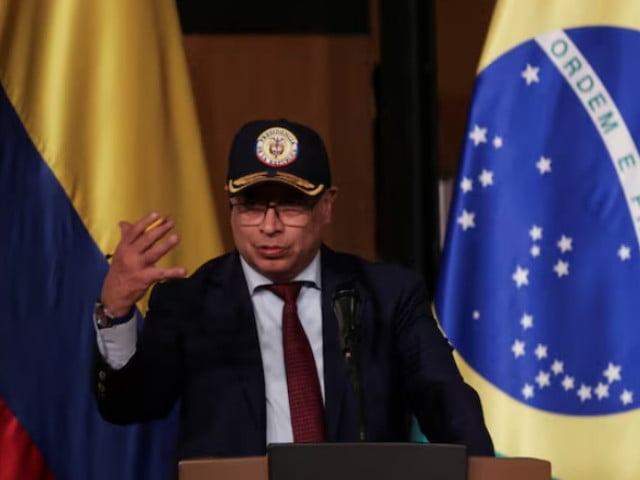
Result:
[[310, 274]]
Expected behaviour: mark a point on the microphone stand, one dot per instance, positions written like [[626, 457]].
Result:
[[345, 305]]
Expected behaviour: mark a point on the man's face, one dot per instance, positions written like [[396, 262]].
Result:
[[279, 242]]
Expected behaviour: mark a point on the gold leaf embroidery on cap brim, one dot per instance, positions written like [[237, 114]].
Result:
[[238, 184]]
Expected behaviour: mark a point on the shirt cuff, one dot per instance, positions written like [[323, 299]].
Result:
[[117, 344]]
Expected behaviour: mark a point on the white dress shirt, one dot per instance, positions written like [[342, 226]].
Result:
[[267, 309], [118, 343]]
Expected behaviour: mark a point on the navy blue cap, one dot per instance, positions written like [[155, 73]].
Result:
[[278, 151]]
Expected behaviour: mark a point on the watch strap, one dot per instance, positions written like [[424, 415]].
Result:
[[105, 319]]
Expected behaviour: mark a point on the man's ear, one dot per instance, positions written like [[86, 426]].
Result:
[[327, 204]]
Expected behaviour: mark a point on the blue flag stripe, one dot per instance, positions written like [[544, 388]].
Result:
[[50, 273]]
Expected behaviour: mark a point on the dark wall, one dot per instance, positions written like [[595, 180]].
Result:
[[461, 27], [282, 16], [407, 178]]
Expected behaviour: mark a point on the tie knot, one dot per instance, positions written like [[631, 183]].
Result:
[[286, 291]]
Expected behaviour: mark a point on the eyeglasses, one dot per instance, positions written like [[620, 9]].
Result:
[[291, 214]]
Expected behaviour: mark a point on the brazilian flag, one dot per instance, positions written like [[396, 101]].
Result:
[[539, 289]]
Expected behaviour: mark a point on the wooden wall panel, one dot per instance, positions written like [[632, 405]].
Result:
[[461, 27], [322, 81]]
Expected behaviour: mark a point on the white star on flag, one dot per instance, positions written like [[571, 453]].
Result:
[[624, 252], [530, 74], [521, 276], [568, 383], [526, 321], [476, 314], [584, 393], [466, 185], [527, 391], [541, 351], [558, 367], [497, 142], [478, 135], [602, 391], [535, 233], [535, 251], [542, 379], [467, 220], [561, 268], [627, 397], [564, 244], [486, 178], [612, 372], [544, 165], [518, 348]]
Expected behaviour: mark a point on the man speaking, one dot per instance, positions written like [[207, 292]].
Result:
[[283, 339]]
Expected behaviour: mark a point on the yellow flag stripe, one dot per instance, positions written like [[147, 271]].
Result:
[[106, 99], [578, 446], [516, 21]]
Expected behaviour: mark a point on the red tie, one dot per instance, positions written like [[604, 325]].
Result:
[[305, 398]]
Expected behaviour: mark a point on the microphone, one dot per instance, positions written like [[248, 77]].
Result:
[[346, 303], [345, 307]]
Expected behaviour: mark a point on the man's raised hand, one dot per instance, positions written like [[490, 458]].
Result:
[[133, 263]]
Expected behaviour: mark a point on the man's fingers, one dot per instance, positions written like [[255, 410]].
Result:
[[152, 234], [156, 274], [140, 226], [159, 249], [125, 228]]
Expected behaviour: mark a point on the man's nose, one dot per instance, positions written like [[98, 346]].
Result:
[[271, 222]]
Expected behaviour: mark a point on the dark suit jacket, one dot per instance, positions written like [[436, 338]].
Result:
[[199, 343]]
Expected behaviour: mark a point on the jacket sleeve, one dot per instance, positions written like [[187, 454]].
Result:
[[149, 384], [447, 409]]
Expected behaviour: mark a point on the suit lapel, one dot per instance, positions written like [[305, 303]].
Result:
[[233, 298], [335, 274]]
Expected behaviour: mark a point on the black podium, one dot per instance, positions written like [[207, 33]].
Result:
[[371, 461]]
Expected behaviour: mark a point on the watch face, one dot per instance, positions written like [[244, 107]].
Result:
[[103, 323], [105, 320], [102, 320]]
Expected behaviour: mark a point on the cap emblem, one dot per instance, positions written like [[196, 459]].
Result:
[[277, 147]]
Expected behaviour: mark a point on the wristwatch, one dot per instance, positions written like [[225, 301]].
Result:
[[105, 319]]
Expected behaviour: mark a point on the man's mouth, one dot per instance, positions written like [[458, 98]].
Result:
[[271, 251]]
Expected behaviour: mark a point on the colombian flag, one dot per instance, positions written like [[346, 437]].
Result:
[[539, 289], [97, 124]]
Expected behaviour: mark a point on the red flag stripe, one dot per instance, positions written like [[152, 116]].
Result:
[[19, 457]]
